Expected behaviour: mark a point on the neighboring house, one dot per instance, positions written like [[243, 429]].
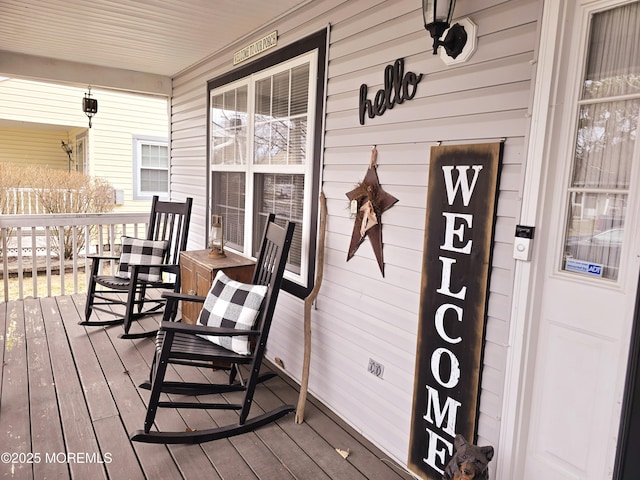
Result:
[[557, 82], [127, 144]]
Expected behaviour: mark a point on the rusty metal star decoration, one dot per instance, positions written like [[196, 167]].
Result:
[[368, 202]]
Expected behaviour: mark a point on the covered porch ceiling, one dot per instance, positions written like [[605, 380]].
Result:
[[136, 45]]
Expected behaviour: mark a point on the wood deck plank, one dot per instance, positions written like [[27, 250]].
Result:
[[105, 416], [97, 392], [15, 432], [78, 430], [191, 462], [47, 440], [364, 456], [226, 459], [85, 380], [258, 456], [229, 466], [118, 361], [296, 459], [315, 446]]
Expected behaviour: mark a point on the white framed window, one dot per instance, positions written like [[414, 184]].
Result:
[[605, 145], [150, 167], [264, 153]]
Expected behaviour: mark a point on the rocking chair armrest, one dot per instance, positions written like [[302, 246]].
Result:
[[202, 330], [163, 266], [172, 299], [103, 257], [184, 297]]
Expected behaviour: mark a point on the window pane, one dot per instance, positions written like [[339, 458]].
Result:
[[229, 127], [280, 136], [154, 156], [263, 97], [605, 143], [604, 146], [613, 67], [284, 196], [154, 180], [297, 148], [594, 234], [228, 194], [281, 95], [299, 89]]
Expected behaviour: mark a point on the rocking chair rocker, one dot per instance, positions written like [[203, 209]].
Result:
[[141, 267], [178, 343]]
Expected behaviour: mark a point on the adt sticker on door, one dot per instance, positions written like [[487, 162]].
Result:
[[582, 266]]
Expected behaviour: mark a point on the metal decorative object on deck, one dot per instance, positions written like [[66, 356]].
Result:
[[368, 202]]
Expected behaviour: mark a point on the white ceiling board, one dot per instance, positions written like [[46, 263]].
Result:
[[161, 37]]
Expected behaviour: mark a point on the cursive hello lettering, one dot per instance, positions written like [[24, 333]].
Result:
[[398, 87]]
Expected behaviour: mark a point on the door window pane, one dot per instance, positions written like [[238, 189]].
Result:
[[605, 143]]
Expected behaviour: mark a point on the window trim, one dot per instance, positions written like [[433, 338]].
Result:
[[137, 142], [81, 149], [316, 42]]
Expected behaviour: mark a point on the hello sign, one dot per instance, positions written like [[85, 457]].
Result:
[[459, 230], [398, 87]]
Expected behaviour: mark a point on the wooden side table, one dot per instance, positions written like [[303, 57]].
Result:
[[197, 271]]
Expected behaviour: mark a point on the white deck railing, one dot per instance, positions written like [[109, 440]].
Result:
[[25, 201], [30, 247]]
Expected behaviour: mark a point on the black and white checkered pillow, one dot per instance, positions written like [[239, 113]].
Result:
[[231, 304], [142, 252]]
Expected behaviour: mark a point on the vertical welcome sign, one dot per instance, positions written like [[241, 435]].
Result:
[[461, 199]]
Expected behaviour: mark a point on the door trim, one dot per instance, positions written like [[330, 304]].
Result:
[[513, 426], [631, 391]]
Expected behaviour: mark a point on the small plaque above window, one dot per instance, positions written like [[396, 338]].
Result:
[[259, 46]]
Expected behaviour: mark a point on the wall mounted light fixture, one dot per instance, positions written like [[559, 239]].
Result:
[[68, 149], [437, 20], [89, 106]]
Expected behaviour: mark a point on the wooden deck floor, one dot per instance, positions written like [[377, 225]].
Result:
[[69, 400]]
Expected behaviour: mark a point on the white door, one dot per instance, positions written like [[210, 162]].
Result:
[[590, 247]]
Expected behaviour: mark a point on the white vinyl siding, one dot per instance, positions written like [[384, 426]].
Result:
[[43, 147], [48, 113], [359, 314]]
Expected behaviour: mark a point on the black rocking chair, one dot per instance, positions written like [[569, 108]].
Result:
[[146, 262], [178, 343]]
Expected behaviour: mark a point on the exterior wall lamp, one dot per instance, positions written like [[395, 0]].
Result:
[[89, 106], [459, 40]]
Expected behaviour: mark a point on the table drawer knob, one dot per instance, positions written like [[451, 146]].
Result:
[[191, 292]]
